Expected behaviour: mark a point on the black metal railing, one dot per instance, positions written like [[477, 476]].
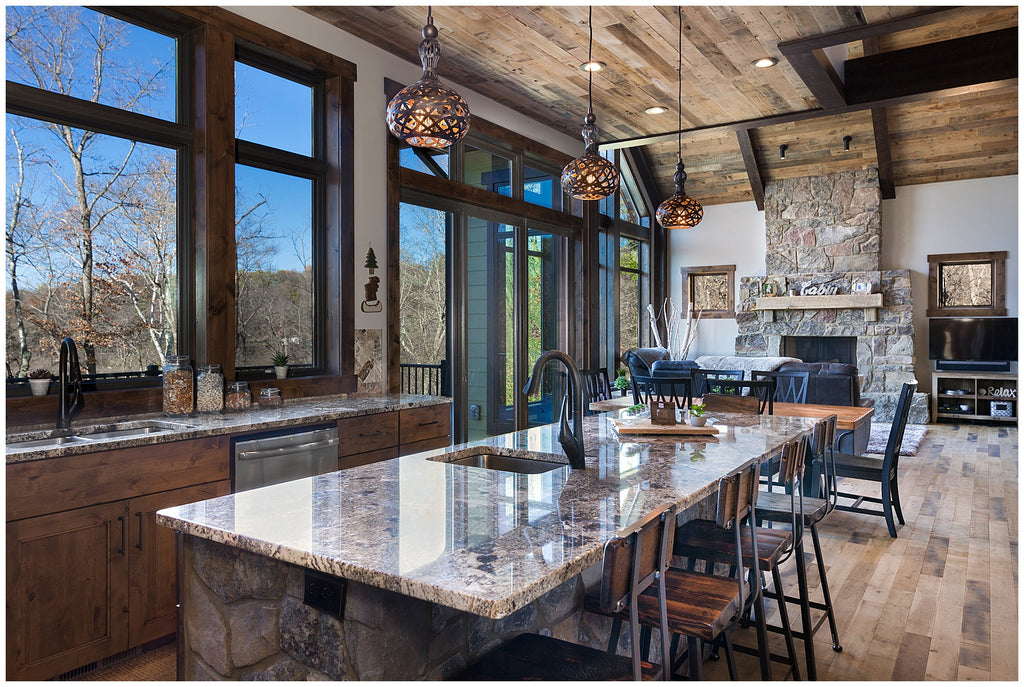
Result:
[[424, 378]]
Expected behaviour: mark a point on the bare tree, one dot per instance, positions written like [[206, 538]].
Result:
[[17, 248]]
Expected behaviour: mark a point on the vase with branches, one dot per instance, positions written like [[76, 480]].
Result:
[[679, 333]]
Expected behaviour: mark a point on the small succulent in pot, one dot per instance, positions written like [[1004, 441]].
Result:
[[280, 362], [621, 383], [697, 418], [39, 381]]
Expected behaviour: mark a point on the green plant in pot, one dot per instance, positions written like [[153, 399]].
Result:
[[621, 383], [280, 362], [697, 411], [39, 381]]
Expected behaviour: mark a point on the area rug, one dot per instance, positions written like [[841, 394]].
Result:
[[913, 435]]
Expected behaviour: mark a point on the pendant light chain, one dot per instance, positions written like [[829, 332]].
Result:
[[679, 92]]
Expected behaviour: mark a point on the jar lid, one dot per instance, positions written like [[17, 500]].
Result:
[[239, 386], [177, 359], [212, 367], [270, 392]]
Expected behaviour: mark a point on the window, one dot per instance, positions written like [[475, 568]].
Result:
[[710, 291], [487, 170], [633, 276], [92, 215], [967, 284], [279, 184]]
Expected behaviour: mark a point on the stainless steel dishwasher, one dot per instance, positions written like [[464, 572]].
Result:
[[272, 457]]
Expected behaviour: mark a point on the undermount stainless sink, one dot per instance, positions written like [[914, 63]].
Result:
[[523, 466], [90, 433], [49, 441]]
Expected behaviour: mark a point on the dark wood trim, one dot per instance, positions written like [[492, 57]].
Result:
[[339, 152], [588, 291], [689, 272], [998, 261], [746, 144], [883, 152], [471, 195], [392, 342], [518, 141], [276, 160], [271, 40], [933, 67], [28, 101], [816, 71]]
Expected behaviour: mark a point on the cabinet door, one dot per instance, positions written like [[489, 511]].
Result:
[[152, 585], [67, 590]]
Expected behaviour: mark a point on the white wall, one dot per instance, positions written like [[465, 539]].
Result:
[[730, 234], [949, 217], [373, 65]]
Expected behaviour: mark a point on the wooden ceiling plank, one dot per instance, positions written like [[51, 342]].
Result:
[[750, 162]]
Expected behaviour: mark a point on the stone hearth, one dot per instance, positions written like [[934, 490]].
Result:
[[827, 230]]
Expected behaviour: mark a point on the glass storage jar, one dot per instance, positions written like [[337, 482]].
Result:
[[238, 397], [210, 389], [271, 397], [178, 398]]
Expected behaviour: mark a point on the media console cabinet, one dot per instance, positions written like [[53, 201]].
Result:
[[990, 396]]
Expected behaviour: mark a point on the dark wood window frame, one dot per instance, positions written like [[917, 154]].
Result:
[[690, 273], [997, 260], [210, 38]]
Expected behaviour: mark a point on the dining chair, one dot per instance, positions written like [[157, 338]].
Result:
[[790, 387], [633, 569], [596, 387], [743, 395], [700, 379], [777, 507], [663, 388], [884, 470]]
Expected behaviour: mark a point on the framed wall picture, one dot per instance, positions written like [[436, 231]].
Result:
[[710, 290], [967, 284]]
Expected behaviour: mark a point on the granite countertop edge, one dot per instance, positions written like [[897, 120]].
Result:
[[305, 411]]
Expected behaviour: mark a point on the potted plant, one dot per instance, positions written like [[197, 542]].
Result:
[[39, 381], [280, 361], [621, 383], [697, 418]]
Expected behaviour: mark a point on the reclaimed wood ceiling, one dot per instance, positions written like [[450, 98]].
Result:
[[919, 116]]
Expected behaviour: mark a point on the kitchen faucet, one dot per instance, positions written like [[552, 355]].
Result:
[[69, 402], [571, 440]]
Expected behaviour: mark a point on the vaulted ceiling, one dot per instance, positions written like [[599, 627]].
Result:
[[925, 93]]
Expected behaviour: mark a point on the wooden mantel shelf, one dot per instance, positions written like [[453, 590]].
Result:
[[870, 302]]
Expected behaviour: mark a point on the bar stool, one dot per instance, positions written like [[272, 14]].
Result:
[[698, 540], [704, 608], [632, 565], [777, 507]]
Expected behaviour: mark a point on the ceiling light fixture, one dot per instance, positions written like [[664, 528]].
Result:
[[782, 151], [680, 211], [428, 114], [590, 176], [656, 110], [765, 62], [592, 66]]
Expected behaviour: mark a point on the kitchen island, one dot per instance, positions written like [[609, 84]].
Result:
[[440, 561]]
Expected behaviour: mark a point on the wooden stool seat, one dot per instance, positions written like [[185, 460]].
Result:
[[704, 540], [775, 506], [534, 657]]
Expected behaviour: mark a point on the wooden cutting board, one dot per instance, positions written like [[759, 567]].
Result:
[[645, 427]]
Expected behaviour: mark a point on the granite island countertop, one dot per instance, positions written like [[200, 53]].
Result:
[[293, 413], [483, 541]]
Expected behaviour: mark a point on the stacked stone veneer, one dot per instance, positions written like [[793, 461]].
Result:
[[828, 230]]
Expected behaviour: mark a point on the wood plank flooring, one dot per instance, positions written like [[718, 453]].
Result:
[[940, 601]]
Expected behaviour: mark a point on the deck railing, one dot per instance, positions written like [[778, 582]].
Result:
[[425, 378]]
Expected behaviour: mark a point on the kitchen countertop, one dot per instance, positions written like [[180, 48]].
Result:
[[483, 541], [295, 412]]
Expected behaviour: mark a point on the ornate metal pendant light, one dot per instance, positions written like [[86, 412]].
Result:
[[590, 176], [680, 211], [428, 114]]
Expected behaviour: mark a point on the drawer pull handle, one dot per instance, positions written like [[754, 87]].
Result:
[[427, 424], [124, 535], [139, 545], [369, 434]]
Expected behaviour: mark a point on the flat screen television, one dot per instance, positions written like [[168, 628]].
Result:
[[973, 339]]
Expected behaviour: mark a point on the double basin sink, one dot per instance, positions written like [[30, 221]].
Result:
[[92, 433]]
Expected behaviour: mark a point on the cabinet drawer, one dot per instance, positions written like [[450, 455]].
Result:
[[367, 458], [367, 433], [429, 422], [424, 445]]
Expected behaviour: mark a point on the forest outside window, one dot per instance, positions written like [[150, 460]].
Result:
[[92, 214], [709, 291], [967, 284]]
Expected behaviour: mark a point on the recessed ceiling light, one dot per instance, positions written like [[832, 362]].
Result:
[[593, 66], [656, 109], [765, 62]]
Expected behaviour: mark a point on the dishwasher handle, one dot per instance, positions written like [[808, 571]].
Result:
[[286, 450]]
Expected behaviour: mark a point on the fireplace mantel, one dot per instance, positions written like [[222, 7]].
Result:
[[869, 302]]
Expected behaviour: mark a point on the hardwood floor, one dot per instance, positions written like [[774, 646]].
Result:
[[940, 601]]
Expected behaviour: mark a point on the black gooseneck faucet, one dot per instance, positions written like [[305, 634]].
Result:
[[69, 402], [570, 439]]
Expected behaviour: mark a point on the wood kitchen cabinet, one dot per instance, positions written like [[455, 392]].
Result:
[[373, 438], [67, 590]]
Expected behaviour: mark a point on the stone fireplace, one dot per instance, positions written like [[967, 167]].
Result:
[[824, 234]]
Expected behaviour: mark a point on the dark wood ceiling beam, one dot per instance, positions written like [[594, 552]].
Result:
[[817, 73], [803, 115], [957, 62], [750, 162], [883, 152]]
